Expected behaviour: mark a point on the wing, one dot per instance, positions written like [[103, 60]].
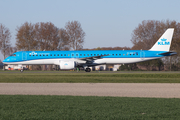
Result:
[[90, 59]]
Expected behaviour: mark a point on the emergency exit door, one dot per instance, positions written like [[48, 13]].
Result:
[[24, 56]]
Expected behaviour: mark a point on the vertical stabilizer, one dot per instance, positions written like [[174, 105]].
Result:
[[164, 42]]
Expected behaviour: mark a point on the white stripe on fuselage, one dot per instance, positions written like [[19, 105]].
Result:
[[99, 61]]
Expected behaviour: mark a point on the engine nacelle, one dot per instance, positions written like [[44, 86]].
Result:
[[66, 65]]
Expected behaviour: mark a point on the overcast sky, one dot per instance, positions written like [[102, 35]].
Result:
[[107, 23]]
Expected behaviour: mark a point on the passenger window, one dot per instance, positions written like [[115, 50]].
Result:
[[80, 54], [119, 54], [47, 55], [84, 54], [91, 54], [76, 54], [51, 55], [43, 55], [116, 54], [64, 54], [29, 55], [36, 55], [68, 54], [54, 54], [88, 54], [72, 54], [126, 54], [33, 55], [112, 54], [58, 54], [40, 55], [61, 54]]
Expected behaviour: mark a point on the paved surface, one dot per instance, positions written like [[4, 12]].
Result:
[[160, 90], [81, 72]]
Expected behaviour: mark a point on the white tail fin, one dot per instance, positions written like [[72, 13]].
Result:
[[164, 42]]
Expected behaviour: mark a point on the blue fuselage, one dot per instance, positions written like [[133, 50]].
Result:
[[25, 56]]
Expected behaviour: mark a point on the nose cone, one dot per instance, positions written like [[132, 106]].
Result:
[[6, 60]]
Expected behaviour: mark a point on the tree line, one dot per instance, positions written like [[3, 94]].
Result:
[[42, 36], [46, 36]]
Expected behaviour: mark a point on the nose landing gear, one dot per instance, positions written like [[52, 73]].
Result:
[[21, 70]]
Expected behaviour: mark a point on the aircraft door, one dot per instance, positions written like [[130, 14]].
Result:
[[142, 55], [24, 55]]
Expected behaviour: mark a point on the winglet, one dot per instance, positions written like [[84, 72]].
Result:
[[164, 42]]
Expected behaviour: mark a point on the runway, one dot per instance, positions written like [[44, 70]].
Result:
[[83, 72], [156, 90]]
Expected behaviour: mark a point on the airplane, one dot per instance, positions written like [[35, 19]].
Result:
[[88, 58]]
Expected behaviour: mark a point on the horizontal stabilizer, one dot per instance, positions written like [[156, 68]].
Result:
[[168, 53]]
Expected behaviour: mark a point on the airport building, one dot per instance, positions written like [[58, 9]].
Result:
[[14, 67], [95, 68]]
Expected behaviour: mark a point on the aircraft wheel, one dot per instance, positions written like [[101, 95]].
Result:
[[88, 70]]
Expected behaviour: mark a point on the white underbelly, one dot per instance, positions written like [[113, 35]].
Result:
[[122, 60], [99, 61]]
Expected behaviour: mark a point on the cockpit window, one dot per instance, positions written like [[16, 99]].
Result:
[[13, 55]]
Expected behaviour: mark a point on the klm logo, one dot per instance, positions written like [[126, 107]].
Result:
[[163, 42], [33, 53]]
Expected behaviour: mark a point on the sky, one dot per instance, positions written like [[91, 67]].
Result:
[[107, 23]]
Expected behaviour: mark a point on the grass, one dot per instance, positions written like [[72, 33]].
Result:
[[77, 107], [94, 77]]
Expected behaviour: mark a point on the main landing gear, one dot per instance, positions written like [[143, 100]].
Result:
[[88, 70]]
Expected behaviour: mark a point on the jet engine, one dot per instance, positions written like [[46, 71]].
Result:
[[66, 65]]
